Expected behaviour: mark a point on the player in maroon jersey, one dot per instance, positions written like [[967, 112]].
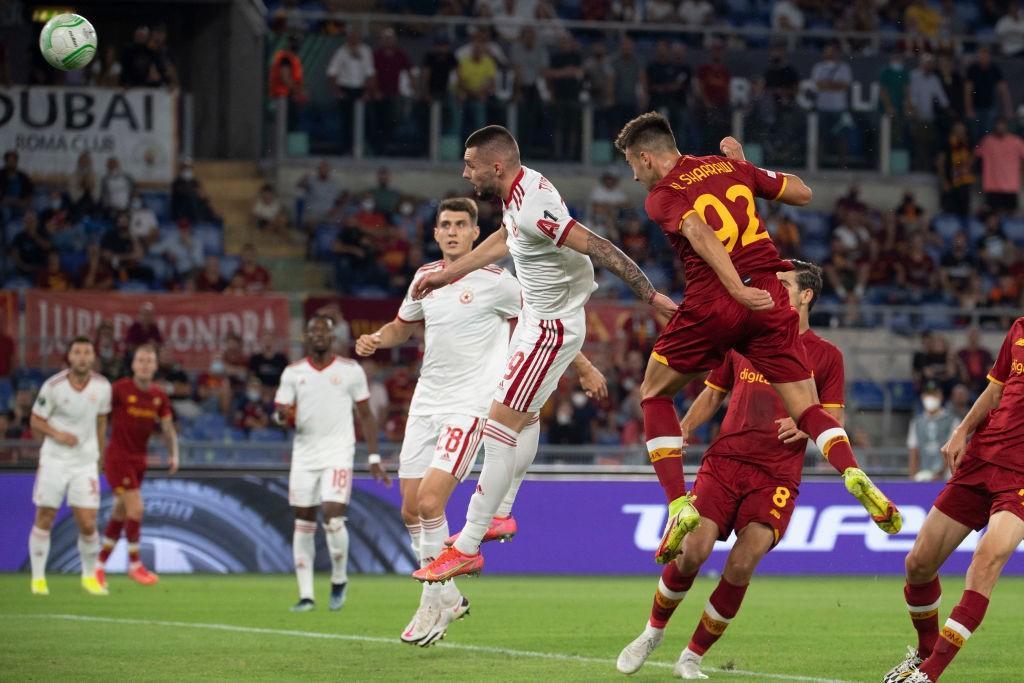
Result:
[[705, 206], [748, 481], [137, 405], [987, 488]]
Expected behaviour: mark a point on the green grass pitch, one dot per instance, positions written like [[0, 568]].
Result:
[[563, 628]]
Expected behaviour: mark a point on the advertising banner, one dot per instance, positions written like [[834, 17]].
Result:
[[193, 325], [244, 524], [50, 127]]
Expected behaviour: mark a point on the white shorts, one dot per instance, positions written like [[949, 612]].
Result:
[[449, 443], [539, 353], [308, 488], [54, 480]]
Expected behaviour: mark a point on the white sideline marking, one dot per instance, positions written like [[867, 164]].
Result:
[[394, 641]]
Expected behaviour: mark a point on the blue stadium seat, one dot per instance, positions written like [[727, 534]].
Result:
[[235, 434], [904, 397], [816, 252], [947, 226], [268, 435], [228, 266], [11, 231], [975, 229], [18, 283], [6, 392], [162, 270], [814, 226], [133, 286], [323, 240], [72, 261], [211, 237], [866, 395], [1014, 230], [28, 378], [160, 203]]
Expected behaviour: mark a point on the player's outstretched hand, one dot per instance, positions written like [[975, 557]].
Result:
[[367, 344], [732, 148], [428, 283], [593, 383], [788, 433], [953, 451], [66, 438], [172, 467], [755, 299], [664, 306], [380, 474]]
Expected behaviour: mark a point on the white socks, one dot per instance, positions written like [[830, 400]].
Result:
[[337, 544], [500, 446], [526, 451], [435, 531], [88, 551], [415, 530], [304, 553], [38, 551]]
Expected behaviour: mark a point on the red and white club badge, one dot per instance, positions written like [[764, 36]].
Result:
[[466, 296]]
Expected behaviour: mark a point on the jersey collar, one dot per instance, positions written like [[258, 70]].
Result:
[[515, 184]]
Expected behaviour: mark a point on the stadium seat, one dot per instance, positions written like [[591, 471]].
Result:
[[133, 286], [816, 252], [211, 237], [162, 270], [866, 395], [160, 203], [814, 226], [1014, 230], [11, 231], [975, 229], [947, 226], [72, 261], [29, 378], [228, 266], [903, 394], [18, 283], [210, 427], [6, 392], [323, 240], [267, 435]]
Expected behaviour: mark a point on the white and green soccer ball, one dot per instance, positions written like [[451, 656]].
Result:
[[68, 42]]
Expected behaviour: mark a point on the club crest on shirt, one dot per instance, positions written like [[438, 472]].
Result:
[[133, 398], [335, 380], [1019, 342], [466, 296]]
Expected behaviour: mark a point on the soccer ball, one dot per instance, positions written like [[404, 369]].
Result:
[[68, 42]]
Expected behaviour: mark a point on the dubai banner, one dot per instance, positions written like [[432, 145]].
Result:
[[193, 326], [50, 127], [242, 523]]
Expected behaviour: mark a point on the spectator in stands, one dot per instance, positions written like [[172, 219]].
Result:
[[784, 231], [268, 363], [353, 78], [952, 80], [991, 247], [236, 360], [696, 13], [958, 272], [189, 199], [929, 430], [105, 72], [353, 254], [389, 62], [236, 285], [1010, 30], [213, 390], [209, 278], [934, 363], [713, 79], [319, 192], [140, 64], [918, 273], [393, 258], [286, 80], [668, 82], [144, 330], [1001, 153], [7, 347], [269, 213], [158, 44], [110, 357], [255, 277], [385, 197], [986, 94], [954, 165], [781, 79], [660, 12], [124, 252], [182, 251], [628, 82], [845, 276], [530, 59], [787, 17], [16, 188], [563, 429], [565, 80], [143, 221], [607, 199], [974, 362], [96, 273], [477, 75], [29, 247], [83, 187], [435, 79], [959, 403], [179, 390], [250, 410], [924, 93], [627, 11], [922, 22], [832, 78], [53, 277], [118, 187]]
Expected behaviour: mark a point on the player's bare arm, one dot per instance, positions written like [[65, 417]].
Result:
[[701, 410], [39, 425], [788, 433], [707, 245], [101, 434], [795, 192], [591, 379], [487, 252], [389, 336], [170, 435], [605, 254], [953, 451], [368, 425]]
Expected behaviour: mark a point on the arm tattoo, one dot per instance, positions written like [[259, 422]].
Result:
[[611, 258]]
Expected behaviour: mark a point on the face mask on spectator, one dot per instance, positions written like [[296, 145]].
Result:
[[628, 383], [367, 205], [55, 203], [186, 174], [217, 367], [563, 417], [579, 399], [252, 394], [406, 208], [931, 403], [136, 204]]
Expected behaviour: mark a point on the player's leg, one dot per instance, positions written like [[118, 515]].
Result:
[[336, 492], [303, 495], [133, 509], [111, 535], [409, 489], [84, 501], [39, 547], [1005, 532]]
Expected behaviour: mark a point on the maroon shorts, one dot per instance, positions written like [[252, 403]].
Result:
[[733, 493], [124, 474], [978, 490], [701, 332]]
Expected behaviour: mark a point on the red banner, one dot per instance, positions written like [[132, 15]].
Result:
[[193, 325]]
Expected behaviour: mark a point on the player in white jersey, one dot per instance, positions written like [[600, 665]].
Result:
[[317, 396], [71, 413], [552, 253], [466, 331]]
